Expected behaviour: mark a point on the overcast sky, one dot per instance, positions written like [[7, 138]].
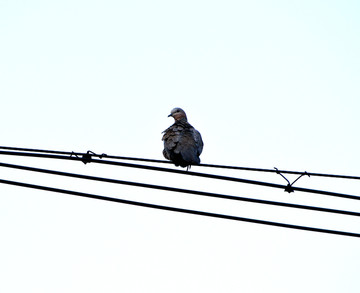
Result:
[[267, 83]]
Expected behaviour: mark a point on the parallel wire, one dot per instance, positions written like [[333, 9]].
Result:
[[189, 173], [201, 165], [180, 190], [180, 210]]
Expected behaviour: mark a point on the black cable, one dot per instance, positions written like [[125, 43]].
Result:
[[189, 173], [180, 210], [201, 165], [187, 191], [35, 150], [82, 154]]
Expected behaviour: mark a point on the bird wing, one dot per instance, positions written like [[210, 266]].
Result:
[[198, 141], [171, 138]]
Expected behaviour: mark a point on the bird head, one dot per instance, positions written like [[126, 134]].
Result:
[[178, 114]]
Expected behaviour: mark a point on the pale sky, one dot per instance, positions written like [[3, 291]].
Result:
[[267, 83]]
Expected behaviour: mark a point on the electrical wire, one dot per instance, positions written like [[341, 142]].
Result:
[[180, 210], [180, 190], [188, 173], [201, 165]]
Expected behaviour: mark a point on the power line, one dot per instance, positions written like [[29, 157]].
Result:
[[188, 173], [80, 154], [201, 165], [180, 210], [187, 191]]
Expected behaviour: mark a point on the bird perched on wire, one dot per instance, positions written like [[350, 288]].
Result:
[[182, 142]]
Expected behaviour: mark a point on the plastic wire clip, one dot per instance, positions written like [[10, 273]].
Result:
[[289, 188], [86, 158]]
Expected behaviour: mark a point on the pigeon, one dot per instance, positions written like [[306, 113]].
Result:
[[182, 142]]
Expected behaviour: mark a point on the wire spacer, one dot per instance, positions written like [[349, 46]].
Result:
[[289, 187], [87, 157]]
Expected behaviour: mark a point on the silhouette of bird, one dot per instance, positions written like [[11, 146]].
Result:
[[182, 142]]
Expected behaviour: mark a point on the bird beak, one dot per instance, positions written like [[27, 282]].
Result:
[[170, 115]]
